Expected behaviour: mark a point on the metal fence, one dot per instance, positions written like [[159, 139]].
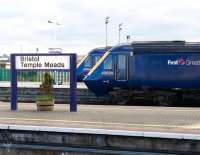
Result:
[[59, 77], [4, 74]]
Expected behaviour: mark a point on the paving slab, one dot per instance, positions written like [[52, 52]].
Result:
[[131, 118]]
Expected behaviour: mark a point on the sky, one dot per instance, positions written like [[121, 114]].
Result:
[[24, 24]]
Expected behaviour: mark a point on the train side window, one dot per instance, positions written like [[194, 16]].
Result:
[[96, 58], [108, 63], [88, 62]]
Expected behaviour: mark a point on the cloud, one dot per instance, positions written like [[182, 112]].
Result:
[[23, 23]]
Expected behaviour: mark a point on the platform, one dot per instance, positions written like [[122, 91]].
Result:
[[5, 84], [101, 127], [132, 118]]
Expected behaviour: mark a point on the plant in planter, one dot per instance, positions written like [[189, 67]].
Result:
[[45, 102]]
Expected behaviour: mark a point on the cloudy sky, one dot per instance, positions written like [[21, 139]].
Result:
[[24, 26]]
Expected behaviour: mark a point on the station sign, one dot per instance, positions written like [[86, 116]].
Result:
[[65, 62], [42, 62]]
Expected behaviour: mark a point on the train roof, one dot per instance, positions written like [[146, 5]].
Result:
[[99, 50], [165, 46], [121, 47], [158, 46], [159, 43]]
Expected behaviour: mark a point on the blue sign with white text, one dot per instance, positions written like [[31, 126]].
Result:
[[44, 62]]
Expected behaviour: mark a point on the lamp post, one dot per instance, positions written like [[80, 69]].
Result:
[[128, 37], [106, 22], [120, 28], [55, 39], [55, 24]]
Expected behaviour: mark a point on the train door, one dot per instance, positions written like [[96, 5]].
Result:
[[121, 67]]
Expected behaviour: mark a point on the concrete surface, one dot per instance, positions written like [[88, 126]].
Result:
[[132, 118], [37, 84]]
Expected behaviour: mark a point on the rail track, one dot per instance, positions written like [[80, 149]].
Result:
[[27, 92]]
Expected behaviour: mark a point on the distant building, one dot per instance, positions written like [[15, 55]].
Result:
[[55, 50], [5, 62]]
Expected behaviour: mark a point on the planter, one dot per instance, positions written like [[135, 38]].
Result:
[[47, 105]]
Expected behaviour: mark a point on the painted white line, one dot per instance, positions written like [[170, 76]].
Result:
[[103, 132], [123, 108], [139, 108], [3, 126]]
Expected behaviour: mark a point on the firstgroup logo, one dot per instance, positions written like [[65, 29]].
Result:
[[182, 62]]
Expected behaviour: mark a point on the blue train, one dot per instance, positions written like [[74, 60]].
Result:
[[164, 71], [89, 61]]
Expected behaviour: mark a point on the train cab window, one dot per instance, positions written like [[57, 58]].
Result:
[[96, 58], [88, 62], [108, 63]]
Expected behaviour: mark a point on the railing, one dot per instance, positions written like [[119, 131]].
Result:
[[59, 77]]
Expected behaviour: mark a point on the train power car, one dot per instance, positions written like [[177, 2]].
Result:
[[164, 71], [89, 61]]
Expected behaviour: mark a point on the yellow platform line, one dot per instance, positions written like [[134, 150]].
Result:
[[97, 123]]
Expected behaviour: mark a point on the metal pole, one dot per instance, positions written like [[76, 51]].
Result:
[[106, 22], [73, 83], [13, 84], [55, 31], [106, 36], [56, 24], [120, 28], [128, 37], [119, 35]]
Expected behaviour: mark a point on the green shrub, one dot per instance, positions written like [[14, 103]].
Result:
[[47, 84], [46, 89]]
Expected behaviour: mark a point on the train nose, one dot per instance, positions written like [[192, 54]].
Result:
[[98, 87], [80, 77]]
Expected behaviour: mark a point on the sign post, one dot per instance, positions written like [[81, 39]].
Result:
[[13, 84], [44, 62], [73, 84]]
